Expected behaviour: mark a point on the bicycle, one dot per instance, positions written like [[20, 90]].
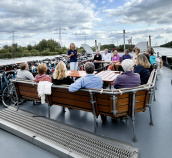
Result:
[[7, 90]]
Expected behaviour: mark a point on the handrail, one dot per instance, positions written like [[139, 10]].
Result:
[[114, 92], [105, 91]]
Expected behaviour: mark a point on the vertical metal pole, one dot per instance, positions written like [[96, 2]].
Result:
[[149, 41], [48, 106], [155, 88], [95, 45], [114, 105], [94, 111], [124, 38], [16, 96], [133, 116], [149, 105]]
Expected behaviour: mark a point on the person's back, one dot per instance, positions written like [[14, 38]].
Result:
[[41, 76], [60, 75], [127, 79], [23, 73], [142, 68], [152, 60], [66, 80], [144, 73], [89, 81]]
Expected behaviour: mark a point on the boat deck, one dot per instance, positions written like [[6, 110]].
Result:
[[153, 141]]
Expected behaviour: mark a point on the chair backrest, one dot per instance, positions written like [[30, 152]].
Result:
[[105, 104], [117, 103], [122, 105], [78, 100], [151, 77], [141, 100], [27, 90]]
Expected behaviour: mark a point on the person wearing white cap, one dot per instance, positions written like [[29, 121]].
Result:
[[128, 78]]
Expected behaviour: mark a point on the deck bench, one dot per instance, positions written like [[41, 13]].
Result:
[[116, 103]]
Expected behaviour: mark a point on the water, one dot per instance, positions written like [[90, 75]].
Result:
[[161, 50], [164, 51]]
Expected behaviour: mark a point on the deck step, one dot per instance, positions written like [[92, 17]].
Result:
[[61, 139]]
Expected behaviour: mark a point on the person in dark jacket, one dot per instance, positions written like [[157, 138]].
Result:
[[128, 78], [97, 57], [126, 55], [60, 75], [142, 68]]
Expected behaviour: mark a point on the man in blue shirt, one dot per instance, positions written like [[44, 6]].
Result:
[[126, 55], [89, 81]]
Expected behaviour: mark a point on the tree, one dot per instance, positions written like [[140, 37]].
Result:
[[4, 50], [29, 47]]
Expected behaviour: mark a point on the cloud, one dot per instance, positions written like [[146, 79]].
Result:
[[42, 15], [150, 12]]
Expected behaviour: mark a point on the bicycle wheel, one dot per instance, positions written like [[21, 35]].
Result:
[[9, 96]]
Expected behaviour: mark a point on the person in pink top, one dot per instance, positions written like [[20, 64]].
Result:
[[115, 56], [41, 76]]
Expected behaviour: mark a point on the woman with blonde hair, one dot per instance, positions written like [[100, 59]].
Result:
[[72, 54], [142, 68], [41, 76], [60, 75]]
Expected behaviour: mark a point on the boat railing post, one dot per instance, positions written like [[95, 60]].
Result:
[[133, 115], [93, 107], [114, 105], [149, 105], [48, 106], [17, 98]]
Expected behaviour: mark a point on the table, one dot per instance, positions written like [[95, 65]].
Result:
[[102, 61], [78, 73], [108, 76], [117, 64]]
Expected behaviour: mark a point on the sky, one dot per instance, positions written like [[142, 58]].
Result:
[[84, 21]]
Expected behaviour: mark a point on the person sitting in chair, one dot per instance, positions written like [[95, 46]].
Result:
[[126, 55], [24, 72], [89, 81], [128, 78], [97, 57], [41, 76], [60, 75]]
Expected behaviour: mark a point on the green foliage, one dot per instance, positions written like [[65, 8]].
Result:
[[169, 45], [44, 48], [47, 44], [6, 55], [107, 46], [4, 50], [29, 47]]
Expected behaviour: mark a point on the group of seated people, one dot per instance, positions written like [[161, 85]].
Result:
[[136, 72], [60, 76]]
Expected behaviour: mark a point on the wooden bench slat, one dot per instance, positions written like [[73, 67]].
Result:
[[71, 96], [58, 101], [140, 98], [104, 102], [67, 91], [124, 101], [29, 94]]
